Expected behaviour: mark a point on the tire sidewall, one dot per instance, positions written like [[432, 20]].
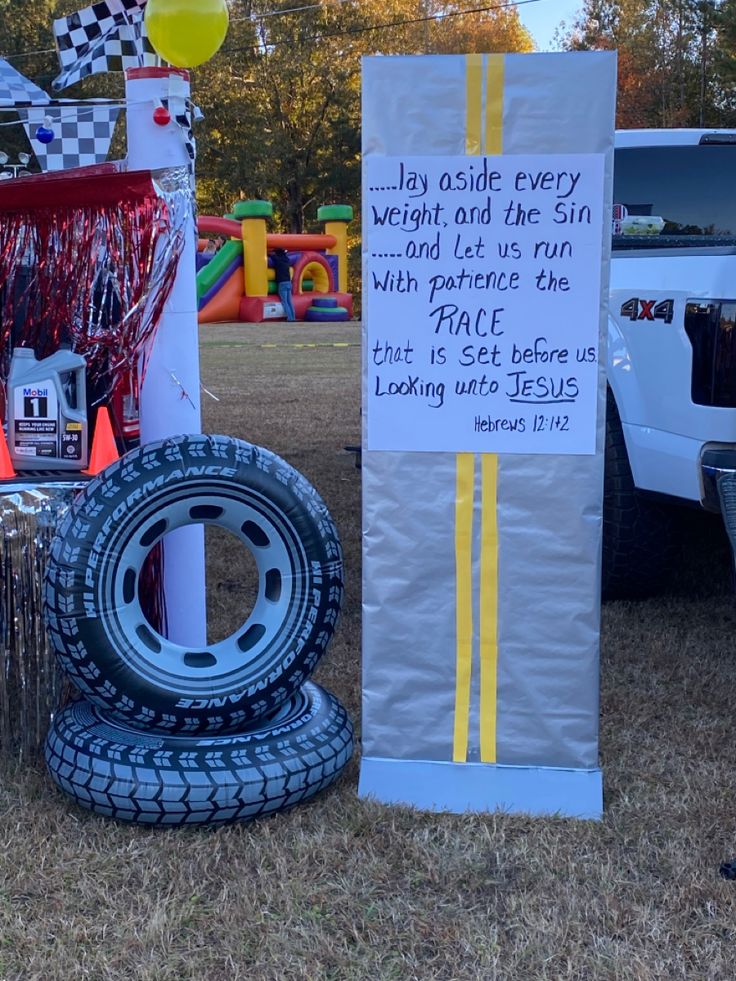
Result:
[[84, 564]]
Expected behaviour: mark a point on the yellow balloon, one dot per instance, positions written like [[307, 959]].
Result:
[[186, 33]]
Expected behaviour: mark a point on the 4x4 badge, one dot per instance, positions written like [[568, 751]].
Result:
[[636, 309]]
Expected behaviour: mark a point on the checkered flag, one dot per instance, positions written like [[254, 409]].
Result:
[[14, 87], [183, 113], [109, 36], [82, 136]]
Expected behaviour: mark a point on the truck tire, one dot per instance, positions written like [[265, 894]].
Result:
[[92, 603], [639, 548], [125, 774]]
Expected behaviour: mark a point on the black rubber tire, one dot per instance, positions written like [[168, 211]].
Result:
[[174, 780], [640, 547], [93, 610]]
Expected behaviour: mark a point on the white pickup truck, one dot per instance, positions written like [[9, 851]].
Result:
[[671, 421]]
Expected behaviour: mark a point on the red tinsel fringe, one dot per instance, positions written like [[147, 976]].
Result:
[[86, 261]]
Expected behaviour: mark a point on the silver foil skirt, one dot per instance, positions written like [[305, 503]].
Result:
[[32, 685]]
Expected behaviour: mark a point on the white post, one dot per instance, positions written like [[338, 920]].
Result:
[[170, 394]]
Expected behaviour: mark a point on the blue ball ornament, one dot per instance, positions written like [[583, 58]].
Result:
[[44, 134]]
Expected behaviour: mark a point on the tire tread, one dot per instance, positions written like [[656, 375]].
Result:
[[210, 781]]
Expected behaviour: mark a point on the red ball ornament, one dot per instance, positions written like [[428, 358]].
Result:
[[161, 116]]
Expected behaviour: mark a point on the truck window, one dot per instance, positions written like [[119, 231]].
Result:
[[674, 197]]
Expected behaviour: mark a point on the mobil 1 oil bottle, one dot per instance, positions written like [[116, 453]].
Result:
[[47, 411]]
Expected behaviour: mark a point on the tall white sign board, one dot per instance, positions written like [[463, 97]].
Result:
[[486, 221]]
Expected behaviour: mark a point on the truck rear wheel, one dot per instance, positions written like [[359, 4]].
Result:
[[639, 548]]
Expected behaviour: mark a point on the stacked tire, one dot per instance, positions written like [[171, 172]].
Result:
[[326, 310], [198, 734]]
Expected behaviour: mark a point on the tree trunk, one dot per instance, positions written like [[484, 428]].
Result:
[[705, 24], [295, 206], [681, 54]]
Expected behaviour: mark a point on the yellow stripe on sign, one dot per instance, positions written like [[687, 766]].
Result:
[[464, 504], [489, 484], [474, 85], [465, 480], [488, 607], [494, 104]]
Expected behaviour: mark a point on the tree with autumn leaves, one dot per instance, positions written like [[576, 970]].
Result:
[[676, 58], [282, 100]]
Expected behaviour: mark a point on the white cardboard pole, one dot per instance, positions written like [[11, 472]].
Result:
[[170, 395]]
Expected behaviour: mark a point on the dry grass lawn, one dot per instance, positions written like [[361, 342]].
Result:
[[342, 889]]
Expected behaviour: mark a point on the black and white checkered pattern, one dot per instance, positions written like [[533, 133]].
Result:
[[82, 136], [14, 87], [183, 113], [109, 36]]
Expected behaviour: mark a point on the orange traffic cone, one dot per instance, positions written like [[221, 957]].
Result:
[[104, 448], [7, 469]]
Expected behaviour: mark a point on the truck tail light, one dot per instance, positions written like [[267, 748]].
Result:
[[711, 328]]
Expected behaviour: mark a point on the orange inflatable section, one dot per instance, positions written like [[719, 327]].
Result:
[[301, 243], [225, 305], [220, 226], [292, 243]]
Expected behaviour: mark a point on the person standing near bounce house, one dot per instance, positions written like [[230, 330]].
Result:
[[282, 268]]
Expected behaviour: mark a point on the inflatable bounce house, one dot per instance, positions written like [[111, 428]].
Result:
[[238, 283]]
